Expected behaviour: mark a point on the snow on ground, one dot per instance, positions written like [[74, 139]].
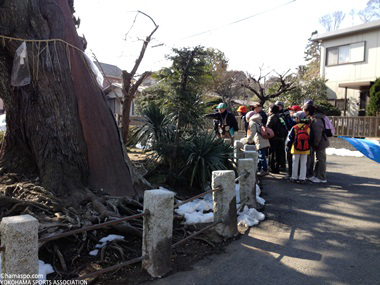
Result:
[[103, 241], [200, 210], [343, 152], [43, 270]]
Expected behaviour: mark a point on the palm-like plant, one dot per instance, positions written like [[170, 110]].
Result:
[[206, 153], [156, 129]]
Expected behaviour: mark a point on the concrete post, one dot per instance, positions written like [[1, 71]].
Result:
[[252, 154], [227, 141], [225, 202], [247, 184], [238, 152], [19, 236], [249, 147], [157, 231]]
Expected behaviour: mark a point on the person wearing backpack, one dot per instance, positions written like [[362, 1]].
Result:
[[255, 137], [319, 143], [298, 142], [277, 143]]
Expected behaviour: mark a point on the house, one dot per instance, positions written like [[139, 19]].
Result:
[[350, 61], [112, 88]]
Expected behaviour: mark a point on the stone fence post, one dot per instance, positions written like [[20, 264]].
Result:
[[238, 151], [157, 231], [19, 237], [247, 183], [225, 202]]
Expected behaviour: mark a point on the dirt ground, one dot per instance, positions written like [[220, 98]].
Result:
[[183, 256]]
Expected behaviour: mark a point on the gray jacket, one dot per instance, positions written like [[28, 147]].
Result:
[[321, 141]]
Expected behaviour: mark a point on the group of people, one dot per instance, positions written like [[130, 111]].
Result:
[[294, 139]]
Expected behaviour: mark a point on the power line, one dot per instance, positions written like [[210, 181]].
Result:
[[238, 21]]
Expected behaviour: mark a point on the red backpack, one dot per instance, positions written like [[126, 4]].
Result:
[[302, 138]]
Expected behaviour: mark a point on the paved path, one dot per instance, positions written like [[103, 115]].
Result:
[[313, 234]]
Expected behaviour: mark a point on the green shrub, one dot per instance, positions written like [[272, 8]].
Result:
[[206, 153], [329, 109], [373, 107], [156, 129]]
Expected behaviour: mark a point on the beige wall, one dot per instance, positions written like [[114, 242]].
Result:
[[368, 70]]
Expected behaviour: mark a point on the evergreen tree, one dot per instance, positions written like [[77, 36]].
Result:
[[373, 107]]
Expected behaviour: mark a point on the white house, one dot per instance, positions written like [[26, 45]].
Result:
[[350, 61]]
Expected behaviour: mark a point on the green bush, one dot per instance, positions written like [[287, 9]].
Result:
[[329, 109], [205, 153], [156, 129], [373, 107]]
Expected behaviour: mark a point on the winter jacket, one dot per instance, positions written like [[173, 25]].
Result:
[[246, 124], [285, 115], [225, 119], [275, 124], [291, 139], [264, 117], [254, 133], [320, 140]]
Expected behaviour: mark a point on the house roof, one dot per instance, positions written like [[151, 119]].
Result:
[[110, 70], [347, 31], [356, 85]]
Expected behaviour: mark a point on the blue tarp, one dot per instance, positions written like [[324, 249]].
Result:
[[369, 148]]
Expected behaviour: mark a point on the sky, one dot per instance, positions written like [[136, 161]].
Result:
[[253, 34]]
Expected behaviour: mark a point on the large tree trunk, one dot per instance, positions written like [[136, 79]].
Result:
[[59, 126]]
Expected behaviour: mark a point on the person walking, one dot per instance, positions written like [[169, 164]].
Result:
[[320, 143], [226, 122], [298, 142], [262, 144]]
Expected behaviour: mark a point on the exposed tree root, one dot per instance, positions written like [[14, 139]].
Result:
[[21, 195]]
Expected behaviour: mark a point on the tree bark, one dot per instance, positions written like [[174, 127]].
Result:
[[58, 127]]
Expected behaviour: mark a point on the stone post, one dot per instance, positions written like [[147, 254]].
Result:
[[227, 141], [19, 236], [248, 183], [225, 202], [251, 154], [249, 147], [157, 231], [238, 152]]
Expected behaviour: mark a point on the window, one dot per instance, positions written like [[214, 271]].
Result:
[[345, 54]]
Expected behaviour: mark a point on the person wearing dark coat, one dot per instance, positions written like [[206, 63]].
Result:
[[277, 143], [227, 125], [258, 109], [242, 111]]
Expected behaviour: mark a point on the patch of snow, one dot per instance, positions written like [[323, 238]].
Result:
[[43, 270], [249, 217], [103, 241], [194, 211], [94, 252], [258, 198], [343, 152], [198, 218]]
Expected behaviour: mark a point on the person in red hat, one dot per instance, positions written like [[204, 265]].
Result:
[[242, 111]]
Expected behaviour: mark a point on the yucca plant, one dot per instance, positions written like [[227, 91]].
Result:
[[205, 153], [156, 129]]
